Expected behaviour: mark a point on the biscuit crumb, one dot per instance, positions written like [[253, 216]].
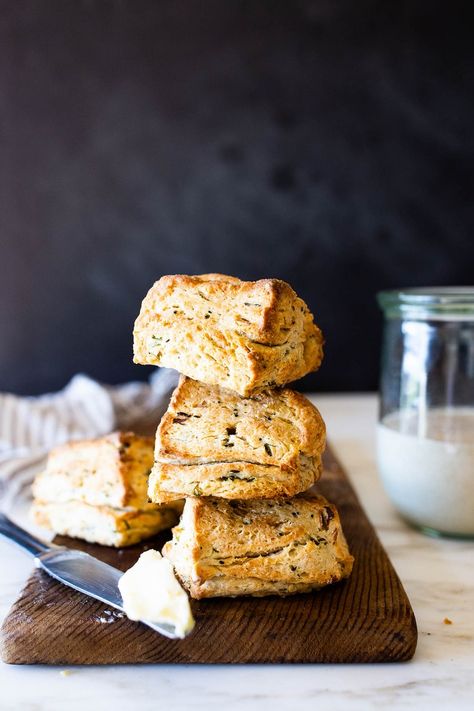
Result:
[[65, 672], [447, 621]]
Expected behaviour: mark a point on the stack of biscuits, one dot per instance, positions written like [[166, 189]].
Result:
[[238, 446]]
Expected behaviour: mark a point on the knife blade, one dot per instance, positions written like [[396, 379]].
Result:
[[77, 570]]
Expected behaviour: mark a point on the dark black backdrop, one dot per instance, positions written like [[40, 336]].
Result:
[[328, 143]]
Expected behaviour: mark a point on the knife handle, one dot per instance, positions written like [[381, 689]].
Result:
[[21, 538]]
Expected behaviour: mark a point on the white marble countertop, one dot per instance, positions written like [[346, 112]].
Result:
[[438, 576]]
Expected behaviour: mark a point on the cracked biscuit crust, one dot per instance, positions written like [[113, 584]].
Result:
[[279, 547], [245, 336], [103, 524], [212, 442]]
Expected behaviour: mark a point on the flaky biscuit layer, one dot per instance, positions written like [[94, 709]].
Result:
[[103, 524]]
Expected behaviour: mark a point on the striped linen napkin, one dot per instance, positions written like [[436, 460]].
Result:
[[31, 426]]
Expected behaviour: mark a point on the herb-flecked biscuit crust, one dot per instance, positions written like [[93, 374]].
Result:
[[245, 336], [279, 547], [103, 524], [212, 442], [107, 471]]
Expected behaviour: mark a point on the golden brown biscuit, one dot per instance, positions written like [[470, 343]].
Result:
[[103, 524], [97, 490], [212, 442], [229, 548], [245, 336], [107, 471]]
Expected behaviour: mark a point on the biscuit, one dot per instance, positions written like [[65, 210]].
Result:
[[103, 524], [97, 490], [107, 471], [263, 547], [245, 336], [212, 442]]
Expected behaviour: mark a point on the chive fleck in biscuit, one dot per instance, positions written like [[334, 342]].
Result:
[[277, 547], [212, 442], [245, 336], [97, 490]]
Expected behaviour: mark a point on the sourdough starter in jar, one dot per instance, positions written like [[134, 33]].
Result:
[[426, 461]]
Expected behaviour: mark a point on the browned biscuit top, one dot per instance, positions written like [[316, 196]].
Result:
[[109, 471]]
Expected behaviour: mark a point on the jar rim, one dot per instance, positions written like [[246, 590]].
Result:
[[436, 301]]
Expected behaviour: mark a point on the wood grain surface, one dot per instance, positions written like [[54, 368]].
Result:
[[367, 618]]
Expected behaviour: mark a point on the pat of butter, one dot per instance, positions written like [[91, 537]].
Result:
[[151, 592]]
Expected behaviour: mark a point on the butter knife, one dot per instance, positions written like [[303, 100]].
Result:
[[76, 569]]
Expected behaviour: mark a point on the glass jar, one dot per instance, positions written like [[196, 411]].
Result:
[[425, 434]]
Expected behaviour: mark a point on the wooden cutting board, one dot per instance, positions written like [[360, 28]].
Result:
[[367, 618]]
